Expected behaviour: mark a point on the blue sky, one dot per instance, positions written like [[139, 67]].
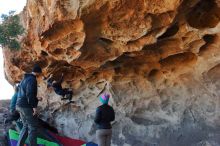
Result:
[[6, 90]]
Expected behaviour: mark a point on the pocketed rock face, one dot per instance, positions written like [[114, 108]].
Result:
[[159, 59]]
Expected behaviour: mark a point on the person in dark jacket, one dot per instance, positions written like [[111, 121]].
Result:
[[27, 107], [104, 116], [66, 93]]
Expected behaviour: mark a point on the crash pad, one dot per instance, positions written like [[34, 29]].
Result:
[[65, 141], [90, 144], [14, 135]]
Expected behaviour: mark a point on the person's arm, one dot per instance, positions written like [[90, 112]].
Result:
[[13, 102], [104, 89], [31, 93], [49, 82], [97, 116], [113, 118]]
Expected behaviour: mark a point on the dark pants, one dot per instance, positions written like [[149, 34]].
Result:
[[104, 137], [30, 126], [65, 91]]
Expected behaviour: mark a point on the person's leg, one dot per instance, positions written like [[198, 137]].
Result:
[[19, 125], [23, 136], [24, 131], [108, 137], [30, 123], [101, 138], [67, 91], [32, 127], [61, 93], [67, 94], [15, 115], [43, 134], [47, 126]]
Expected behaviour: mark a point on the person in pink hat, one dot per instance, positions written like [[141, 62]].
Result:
[[104, 116]]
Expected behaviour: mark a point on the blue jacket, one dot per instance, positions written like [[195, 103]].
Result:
[[104, 116], [27, 94], [58, 87], [13, 101]]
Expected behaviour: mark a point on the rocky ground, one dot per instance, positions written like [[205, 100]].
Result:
[[4, 109]]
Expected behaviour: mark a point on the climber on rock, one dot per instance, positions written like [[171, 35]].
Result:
[[66, 93]]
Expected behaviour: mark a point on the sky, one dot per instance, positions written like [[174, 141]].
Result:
[[6, 90]]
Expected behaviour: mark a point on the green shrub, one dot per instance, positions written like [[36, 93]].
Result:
[[10, 29]]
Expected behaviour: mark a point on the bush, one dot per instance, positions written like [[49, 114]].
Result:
[[10, 29]]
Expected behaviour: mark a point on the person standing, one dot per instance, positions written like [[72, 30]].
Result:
[[14, 98], [104, 116], [14, 114], [26, 105]]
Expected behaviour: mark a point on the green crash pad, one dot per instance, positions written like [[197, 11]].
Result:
[[14, 135]]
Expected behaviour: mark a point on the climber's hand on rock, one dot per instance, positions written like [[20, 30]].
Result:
[[51, 75]]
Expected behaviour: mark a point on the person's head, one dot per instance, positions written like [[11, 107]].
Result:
[[104, 98], [36, 70]]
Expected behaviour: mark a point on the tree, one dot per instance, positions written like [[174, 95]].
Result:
[[10, 29]]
